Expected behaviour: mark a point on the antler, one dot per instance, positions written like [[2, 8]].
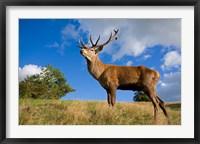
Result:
[[82, 44], [96, 41], [101, 45], [109, 40]]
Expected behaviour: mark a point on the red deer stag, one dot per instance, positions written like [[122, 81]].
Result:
[[112, 77]]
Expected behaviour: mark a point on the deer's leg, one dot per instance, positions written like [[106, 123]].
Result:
[[162, 106], [113, 97], [155, 104], [109, 98], [152, 94]]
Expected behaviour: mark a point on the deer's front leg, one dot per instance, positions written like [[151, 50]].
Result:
[[111, 96]]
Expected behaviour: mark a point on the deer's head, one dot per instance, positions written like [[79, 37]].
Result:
[[90, 52]]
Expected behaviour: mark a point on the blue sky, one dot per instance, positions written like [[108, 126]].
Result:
[[155, 43]]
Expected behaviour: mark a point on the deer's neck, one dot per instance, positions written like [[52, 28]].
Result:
[[95, 67]]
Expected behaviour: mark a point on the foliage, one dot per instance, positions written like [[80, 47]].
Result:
[[69, 112], [141, 96], [49, 84]]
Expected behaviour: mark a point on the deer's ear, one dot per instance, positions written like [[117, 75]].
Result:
[[99, 49]]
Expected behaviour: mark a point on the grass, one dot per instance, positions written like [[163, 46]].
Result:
[[57, 112]]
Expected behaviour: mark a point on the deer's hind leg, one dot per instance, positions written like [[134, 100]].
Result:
[[155, 104], [162, 106], [151, 92]]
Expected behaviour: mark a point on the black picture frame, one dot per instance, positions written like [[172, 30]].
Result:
[[5, 3]]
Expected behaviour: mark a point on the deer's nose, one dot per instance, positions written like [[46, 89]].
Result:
[[81, 51]]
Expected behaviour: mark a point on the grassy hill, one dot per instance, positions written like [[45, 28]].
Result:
[[57, 112]]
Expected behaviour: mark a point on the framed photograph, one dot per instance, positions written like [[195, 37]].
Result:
[[99, 71]]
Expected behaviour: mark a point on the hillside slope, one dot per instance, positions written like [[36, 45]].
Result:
[[57, 112]]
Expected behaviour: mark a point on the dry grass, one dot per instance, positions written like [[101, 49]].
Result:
[[57, 112]]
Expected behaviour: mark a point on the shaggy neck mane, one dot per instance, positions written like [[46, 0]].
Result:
[[95, 67]]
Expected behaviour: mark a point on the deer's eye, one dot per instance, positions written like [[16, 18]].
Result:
[[92, 49]]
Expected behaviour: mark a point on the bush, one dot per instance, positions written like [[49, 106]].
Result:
[[49, 84], [141, 96]]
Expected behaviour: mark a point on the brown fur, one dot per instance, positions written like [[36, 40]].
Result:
[[112, 77]]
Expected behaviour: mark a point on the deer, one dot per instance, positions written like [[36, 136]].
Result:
[[112, 77]]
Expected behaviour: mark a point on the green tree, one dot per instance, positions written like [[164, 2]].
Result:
[[141, 96], [49, 84]]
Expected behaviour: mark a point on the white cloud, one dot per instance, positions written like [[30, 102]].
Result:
[[29, 70], [54, 45], [147, 57], [171, 59], [129, 63], [69, 32], [135, 35], [170, 88]]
